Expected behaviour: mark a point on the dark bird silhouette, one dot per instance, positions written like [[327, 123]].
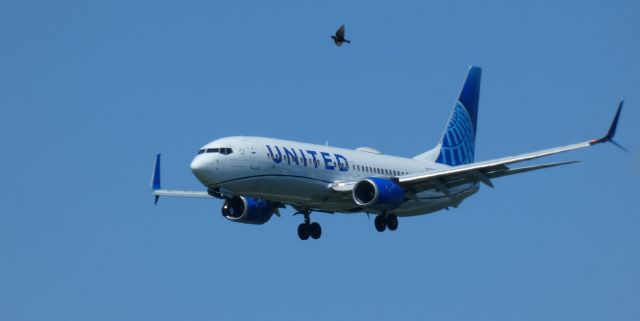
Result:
[[339, 37]]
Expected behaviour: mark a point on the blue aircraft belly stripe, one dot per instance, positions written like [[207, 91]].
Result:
[[269, 175]]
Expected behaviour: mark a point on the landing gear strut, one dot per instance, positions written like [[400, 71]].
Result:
[[384, 221], [308, 228]]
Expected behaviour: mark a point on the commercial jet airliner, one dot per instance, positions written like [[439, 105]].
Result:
[[257, 176]]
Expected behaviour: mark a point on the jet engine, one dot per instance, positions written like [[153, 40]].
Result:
[[247, 210], [378, 193]]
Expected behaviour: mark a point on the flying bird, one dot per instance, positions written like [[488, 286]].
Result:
[[339, 39]]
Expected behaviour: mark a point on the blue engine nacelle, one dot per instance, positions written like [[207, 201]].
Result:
[[247, 210], [378, 193]]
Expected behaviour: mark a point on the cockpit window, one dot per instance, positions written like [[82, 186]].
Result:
[[223, 151]]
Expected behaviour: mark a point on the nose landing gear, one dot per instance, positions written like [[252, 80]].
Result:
[[308, 229]]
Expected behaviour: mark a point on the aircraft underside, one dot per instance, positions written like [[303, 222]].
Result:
[[314, 195]]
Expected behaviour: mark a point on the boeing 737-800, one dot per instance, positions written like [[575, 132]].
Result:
[[256, 176]]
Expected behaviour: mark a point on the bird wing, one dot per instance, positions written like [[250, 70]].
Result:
[[340, 32]]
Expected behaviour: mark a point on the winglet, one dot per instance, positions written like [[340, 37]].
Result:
[[612, 130], [155, 179]]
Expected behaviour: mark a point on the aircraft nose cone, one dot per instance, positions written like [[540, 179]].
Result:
[[197, 165], [206, 169], [199, 168]]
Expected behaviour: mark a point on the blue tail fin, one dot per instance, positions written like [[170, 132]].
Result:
[[457, 146]]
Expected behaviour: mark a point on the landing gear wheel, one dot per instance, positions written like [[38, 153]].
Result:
[[380, 223], [303, 231], [391, 221], [315, 230]]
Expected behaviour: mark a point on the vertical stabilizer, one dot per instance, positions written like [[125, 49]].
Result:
[[457, 145]]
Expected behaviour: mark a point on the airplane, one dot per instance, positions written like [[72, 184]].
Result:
[[257, 176]]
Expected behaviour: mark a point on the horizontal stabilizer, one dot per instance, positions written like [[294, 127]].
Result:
[[158, 191], [173, 193]]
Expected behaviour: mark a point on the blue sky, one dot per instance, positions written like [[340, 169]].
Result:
[[90, 91]]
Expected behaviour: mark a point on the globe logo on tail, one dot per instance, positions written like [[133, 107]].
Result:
[[458, 142]]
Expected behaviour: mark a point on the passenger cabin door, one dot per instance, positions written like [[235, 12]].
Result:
[[255, 161]]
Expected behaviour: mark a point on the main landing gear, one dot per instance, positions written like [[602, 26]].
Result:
[[307, 228], [384, 221]]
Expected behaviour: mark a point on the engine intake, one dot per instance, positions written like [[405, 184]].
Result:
[[378, 193], [247, 210]]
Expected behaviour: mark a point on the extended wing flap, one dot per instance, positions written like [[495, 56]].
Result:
[[519, 170], [445, 183]]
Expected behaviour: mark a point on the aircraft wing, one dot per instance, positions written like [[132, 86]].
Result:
[[444, 179]]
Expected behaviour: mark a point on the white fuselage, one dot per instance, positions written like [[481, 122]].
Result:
[[302, 174]]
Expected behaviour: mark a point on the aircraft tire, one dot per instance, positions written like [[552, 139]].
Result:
[[315, 230], [391, 221], [303, 231], [380, 223]]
